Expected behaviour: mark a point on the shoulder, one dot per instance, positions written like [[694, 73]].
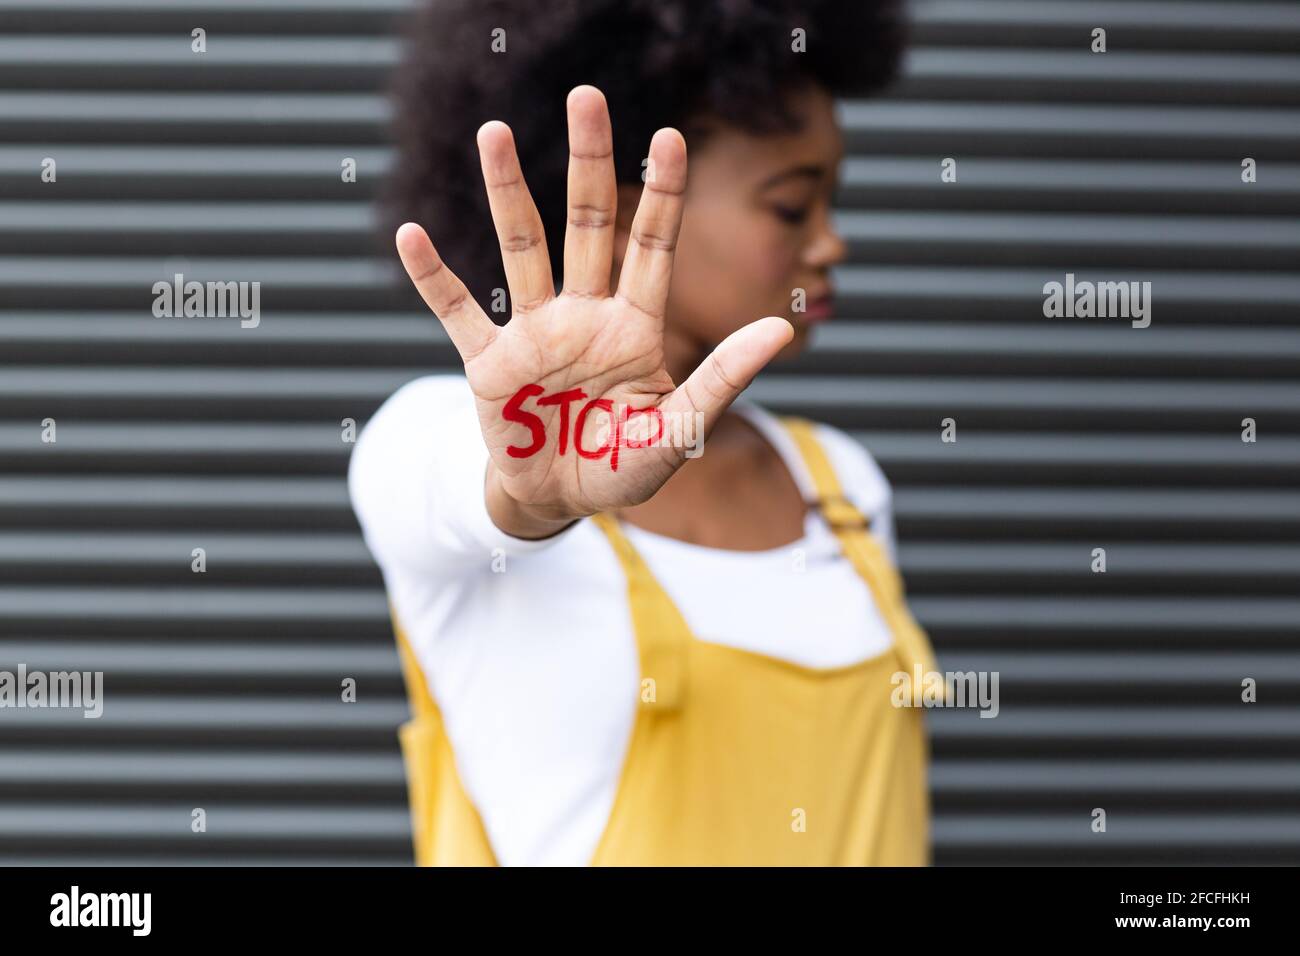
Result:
[[424, 403], [405, 432], [860, 477], [438, 394], [859, 474]]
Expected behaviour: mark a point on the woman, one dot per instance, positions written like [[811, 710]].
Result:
[[619, 650]]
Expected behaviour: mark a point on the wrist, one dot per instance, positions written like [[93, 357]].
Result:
[[519, 519]]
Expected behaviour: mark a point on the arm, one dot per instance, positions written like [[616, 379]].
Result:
[[417, 482], [587, 348], [443, 476]]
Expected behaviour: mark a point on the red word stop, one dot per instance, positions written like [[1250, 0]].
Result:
[[514, 412]]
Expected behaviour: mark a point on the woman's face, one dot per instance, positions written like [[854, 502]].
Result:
[[756, 230]]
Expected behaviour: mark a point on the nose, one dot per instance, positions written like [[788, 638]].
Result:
[[825, 248]]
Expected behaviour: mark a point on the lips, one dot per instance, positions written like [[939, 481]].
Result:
[[819, 309]]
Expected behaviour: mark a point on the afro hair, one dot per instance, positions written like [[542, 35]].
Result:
[[679, 63]]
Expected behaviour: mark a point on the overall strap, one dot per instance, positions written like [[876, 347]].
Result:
[[863, 549], [662, 637], [417, 689]]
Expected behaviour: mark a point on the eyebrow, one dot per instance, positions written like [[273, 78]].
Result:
[[811, 171]]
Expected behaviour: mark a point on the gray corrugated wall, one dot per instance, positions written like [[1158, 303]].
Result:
[[1119, 690]]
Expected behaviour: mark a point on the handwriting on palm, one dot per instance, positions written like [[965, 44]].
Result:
[[608, 346]]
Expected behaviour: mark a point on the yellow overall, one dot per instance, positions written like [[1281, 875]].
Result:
[[735, 758]]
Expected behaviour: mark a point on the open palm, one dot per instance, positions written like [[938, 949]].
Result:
[[585, 346]]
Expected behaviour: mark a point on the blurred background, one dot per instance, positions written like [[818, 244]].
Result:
[[1118, 690]]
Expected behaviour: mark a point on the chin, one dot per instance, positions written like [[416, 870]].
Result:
[[795, 347]]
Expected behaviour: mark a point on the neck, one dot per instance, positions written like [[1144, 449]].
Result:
[[682, 354]]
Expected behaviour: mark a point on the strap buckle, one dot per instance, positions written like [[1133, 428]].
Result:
[[840, 513]]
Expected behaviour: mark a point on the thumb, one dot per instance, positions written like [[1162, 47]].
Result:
[[729, 369]]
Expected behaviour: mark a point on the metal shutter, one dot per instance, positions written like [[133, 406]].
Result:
[[1119, 690]]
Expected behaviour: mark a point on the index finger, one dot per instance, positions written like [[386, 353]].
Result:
[[648, 265]]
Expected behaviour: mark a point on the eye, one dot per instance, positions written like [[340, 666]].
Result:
[[794, 215]]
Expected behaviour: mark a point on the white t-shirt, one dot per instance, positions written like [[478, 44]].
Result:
[[534, 666]]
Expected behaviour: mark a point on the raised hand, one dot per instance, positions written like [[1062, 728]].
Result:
[[559, 354]]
